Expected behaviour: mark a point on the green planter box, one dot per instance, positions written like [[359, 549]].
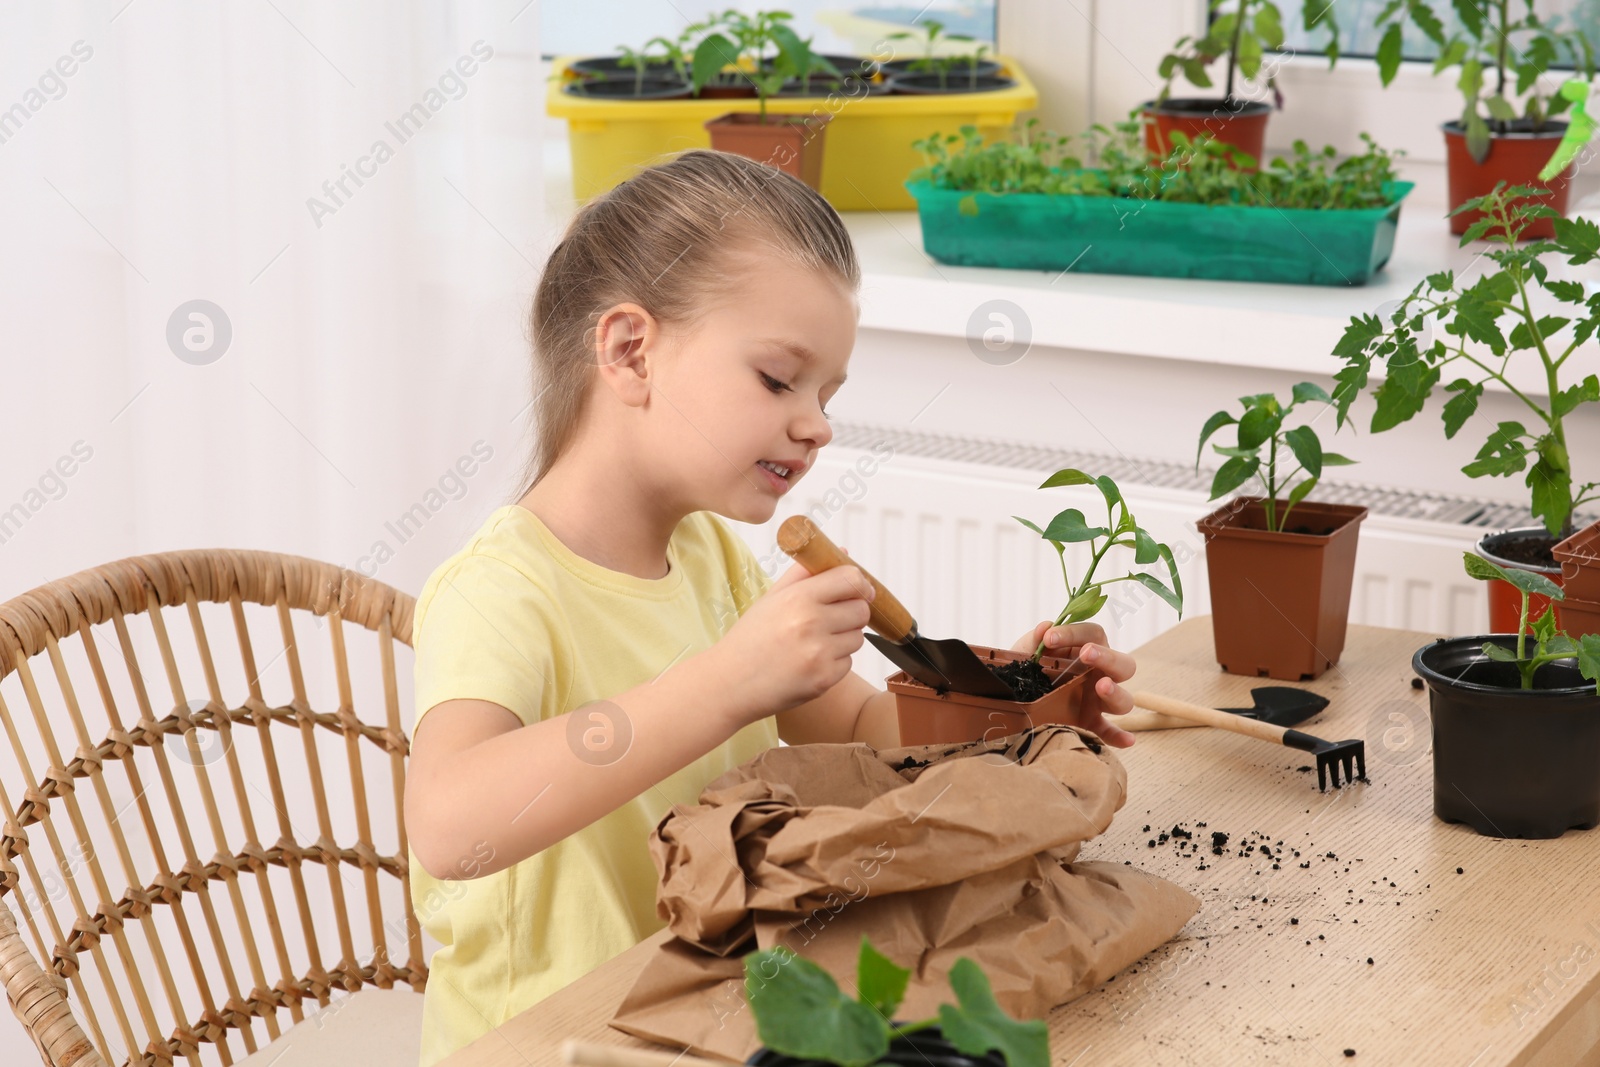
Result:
[[1113, 235]]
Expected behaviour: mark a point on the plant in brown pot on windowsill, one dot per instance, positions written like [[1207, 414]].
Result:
[[790, 142], [1494, 337], [1243, 31], [1280, 566], [1500, 58]]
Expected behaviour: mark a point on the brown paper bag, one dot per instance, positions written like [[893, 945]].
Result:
[[933, 852]]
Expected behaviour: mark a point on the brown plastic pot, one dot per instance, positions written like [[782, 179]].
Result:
[[1505, 600], [1579, 617], [1280, 601], [1579, 556], [928, 717], [1245, 128], [1515, 157], [791, 143]]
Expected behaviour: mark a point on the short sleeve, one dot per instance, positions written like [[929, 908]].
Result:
[[484, 634]]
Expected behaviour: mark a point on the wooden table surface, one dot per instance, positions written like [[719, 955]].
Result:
[[1364, 935]]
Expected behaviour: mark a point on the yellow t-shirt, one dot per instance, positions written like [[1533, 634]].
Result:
[[517, 618]]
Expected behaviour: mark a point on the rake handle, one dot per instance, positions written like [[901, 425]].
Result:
[[1222, 720], [807, 545]]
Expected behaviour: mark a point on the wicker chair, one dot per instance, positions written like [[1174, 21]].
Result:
[[216, 933]]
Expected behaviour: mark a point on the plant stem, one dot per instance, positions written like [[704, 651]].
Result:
[[1272, 485], [1238, 36], [1500, 61]]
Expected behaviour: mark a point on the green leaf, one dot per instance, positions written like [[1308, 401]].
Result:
[[1302, 441], [1069, 526], [1268, 27], [1232, 474], [1569, 398], [1499, 652], [1544, 627], [1216, 422], [1086, 604], [1066, 476], [1403, 393], [1145, 548], [1558, 645], [1500, 108], [1589, 658], [1300, 492], [800, 1011], [712, 54], [1504, 453], [1578, 238], [1109, 490], [1334, 459], [1522, 337], [1156, 586], [1306, 391], [1533, 582], [1195, 71], [1177, 582], [1482, 569], [1477, 131], [1570, 292], [1389, 53], [1552, 492], [1459, 408], [1258, 425], [975, 1024], [880, 982], [1029, 525]]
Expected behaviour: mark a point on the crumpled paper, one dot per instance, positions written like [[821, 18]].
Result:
[[933, 852]]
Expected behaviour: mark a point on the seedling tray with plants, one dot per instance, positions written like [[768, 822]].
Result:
[[1197, 213]]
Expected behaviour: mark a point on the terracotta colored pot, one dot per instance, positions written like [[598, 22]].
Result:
[[1280, 601], [791, 143], [1505, 600], [928, 717], [1245, 128], [1579, 617], [1508, 761], [1579, 556], [1514, 158]]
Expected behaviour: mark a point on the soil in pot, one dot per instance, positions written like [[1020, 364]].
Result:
[[1515, 157], [1526, 548], [728, 85], [791, 143], [1579, 557], [921, 1048], [928, 717], [629, 88], [1280, 601], [1242, 125], [956, 82], [1507, 761]]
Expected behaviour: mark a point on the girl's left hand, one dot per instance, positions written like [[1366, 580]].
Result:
[[1103, 696]]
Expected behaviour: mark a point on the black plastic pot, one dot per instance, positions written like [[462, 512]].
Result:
[[849, 88], [897, 67], [612, 67], [956, 82], [924, 1048], [1507, 761], [849, 66], [629, 88]]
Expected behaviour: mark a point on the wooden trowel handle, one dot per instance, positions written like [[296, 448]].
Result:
[[800, 538], [1222, 720]]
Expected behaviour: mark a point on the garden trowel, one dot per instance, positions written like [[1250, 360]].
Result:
[[942, 665]]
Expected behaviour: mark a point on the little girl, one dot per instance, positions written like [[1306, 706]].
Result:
[[607, 645]]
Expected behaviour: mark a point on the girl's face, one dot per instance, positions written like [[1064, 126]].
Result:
[[748, 383]]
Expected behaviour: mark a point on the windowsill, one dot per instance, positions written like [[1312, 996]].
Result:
[[1290, 328]]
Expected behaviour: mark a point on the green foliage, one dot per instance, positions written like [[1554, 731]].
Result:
[[1487, 321], [762, 48], [1087, 596], [1261, 427], [1550, 642], [942, 65], [1244, 33], [1193, 172], [800, 1011], [1490, 41]]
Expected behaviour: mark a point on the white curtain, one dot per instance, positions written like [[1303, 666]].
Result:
[[354, 191]]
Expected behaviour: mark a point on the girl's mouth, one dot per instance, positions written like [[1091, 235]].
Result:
[[777, 475]]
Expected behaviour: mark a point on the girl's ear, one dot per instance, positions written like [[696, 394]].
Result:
[[626, 347]]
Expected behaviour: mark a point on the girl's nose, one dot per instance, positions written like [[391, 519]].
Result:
[[815, 429]]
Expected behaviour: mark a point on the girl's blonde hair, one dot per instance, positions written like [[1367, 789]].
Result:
[[662, 240]]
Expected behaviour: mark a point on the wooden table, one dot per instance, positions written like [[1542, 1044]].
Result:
[[1363, 937]]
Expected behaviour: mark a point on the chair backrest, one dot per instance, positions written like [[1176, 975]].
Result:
[[159, 813]]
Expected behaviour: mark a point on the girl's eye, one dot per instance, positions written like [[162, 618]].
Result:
[[772, 383]]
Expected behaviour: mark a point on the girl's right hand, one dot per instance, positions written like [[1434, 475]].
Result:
[[795, 641]]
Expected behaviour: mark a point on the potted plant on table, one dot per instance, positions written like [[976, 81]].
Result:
[[1029, 203], [1244, 33], [1516, 720], [928, 717], [1280, 566], [802, 1017], [791, 143], [934, 58], [1500, 58], [1554, 349]]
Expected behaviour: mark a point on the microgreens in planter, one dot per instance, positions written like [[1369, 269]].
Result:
[[1470, 308], [1261, 426], [801, 1012], [1549, 643], [1087, 596]]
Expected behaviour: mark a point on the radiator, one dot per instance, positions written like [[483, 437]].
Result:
[[931, 515]]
